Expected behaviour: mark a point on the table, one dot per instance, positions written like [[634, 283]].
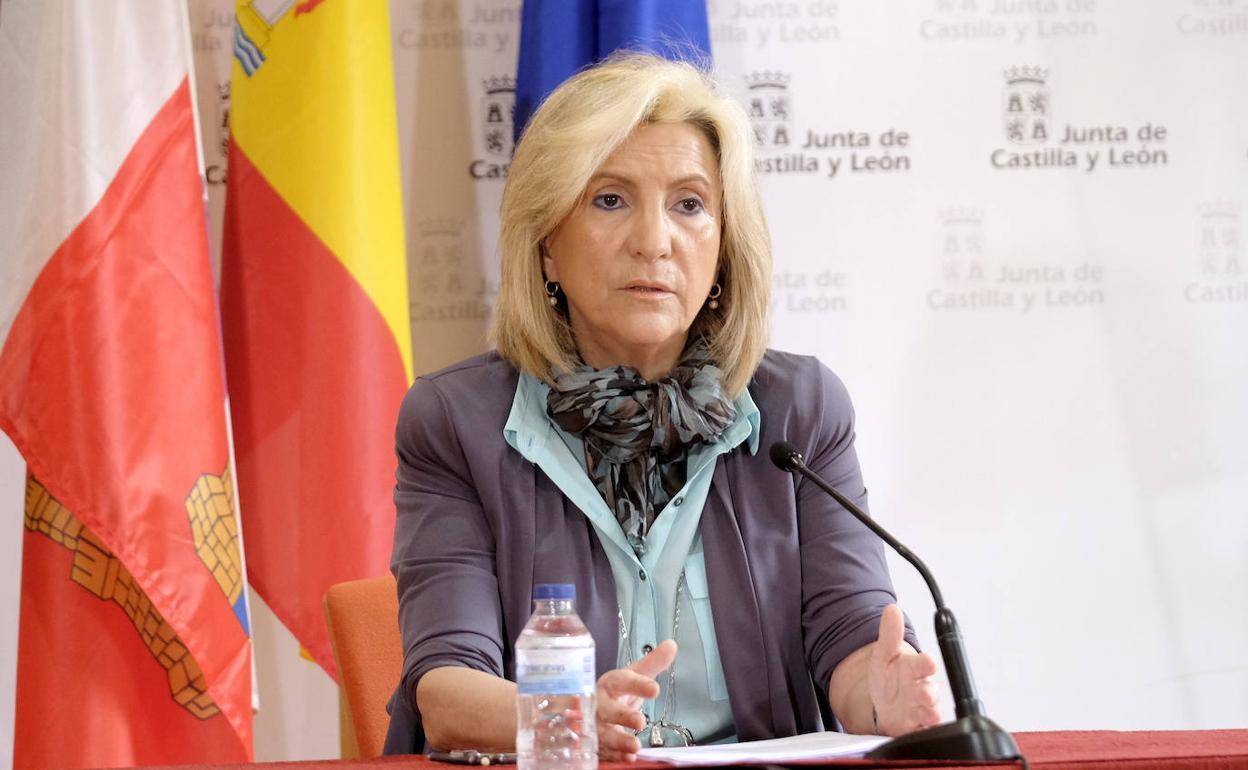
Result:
[[1063, 750]]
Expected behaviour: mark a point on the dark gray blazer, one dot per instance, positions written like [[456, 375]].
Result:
[[796, 583]]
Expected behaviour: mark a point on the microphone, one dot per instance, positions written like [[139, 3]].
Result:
[[972, 736]]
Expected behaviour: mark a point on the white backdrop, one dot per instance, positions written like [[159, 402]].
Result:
[[1016, 228]]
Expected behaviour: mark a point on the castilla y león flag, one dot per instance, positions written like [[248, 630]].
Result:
[[134, 645], [314, 298]]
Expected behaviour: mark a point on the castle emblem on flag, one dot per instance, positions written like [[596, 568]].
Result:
[[96, 569], [770, 107], [214, 530], [498, 108], [1027, 110]]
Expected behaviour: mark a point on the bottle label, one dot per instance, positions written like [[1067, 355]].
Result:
[[555, 672]]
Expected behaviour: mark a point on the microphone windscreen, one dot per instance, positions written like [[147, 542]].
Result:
[[783, 454]]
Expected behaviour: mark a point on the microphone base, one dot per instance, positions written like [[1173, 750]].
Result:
[[974, 738]]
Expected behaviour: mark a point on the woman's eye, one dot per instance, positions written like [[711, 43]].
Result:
[[608, 201], [690, 205]]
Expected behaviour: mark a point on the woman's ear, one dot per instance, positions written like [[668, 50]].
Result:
[[548, 264]]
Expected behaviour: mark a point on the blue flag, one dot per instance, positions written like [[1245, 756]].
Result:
[[560, 37]]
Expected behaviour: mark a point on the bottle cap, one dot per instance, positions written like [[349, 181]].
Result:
[[554, 591]]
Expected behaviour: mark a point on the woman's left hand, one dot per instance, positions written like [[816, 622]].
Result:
[[620, 694], [900, 681]]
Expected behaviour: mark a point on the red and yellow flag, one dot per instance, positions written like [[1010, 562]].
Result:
[[134, 645], [314, 298]]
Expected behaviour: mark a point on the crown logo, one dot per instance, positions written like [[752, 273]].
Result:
[[440, 226], [501, 84], [962, 215], [767, 79], [1218, 210], [1025, 74]]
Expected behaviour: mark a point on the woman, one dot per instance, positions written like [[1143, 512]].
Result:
[[613, 441]]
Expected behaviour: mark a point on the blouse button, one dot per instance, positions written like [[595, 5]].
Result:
[[641, 573], [646, 649], [678, 501]]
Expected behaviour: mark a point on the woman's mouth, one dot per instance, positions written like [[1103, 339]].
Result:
[[647, 290]]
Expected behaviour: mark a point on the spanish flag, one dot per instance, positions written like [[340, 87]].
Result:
[[314, 299], [133, 646]]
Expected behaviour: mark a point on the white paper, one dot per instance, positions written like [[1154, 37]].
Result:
[[825, 745]]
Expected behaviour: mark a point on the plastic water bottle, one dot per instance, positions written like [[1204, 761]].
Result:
[[555, 728]]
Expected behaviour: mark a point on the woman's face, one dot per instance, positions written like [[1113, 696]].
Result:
[[637, 256]]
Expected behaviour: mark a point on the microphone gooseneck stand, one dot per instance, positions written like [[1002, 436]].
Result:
[[972, 736]]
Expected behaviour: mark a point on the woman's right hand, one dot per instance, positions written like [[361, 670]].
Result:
[[619, 696]]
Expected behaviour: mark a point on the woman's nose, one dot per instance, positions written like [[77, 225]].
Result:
[[651, 234]]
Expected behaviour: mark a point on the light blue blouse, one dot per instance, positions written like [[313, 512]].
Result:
[[646, 587]]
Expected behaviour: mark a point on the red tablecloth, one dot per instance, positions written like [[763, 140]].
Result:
[[1067, 750]]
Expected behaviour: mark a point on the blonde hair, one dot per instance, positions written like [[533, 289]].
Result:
[[572, 134]]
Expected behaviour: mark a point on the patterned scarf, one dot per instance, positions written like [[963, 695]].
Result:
[[637, 434]]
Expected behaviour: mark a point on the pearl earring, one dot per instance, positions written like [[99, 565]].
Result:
[[716, 291]]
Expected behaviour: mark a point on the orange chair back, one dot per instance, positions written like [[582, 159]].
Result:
[[363, 620]]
